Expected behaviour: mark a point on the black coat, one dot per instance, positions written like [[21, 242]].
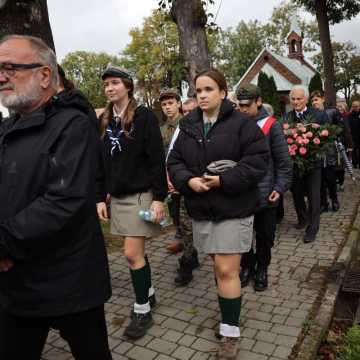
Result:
[[280, 167], [335, 118], [354, 122], [140, 166], [233, 137], [48, 220]]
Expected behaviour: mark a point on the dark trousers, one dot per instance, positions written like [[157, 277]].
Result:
[[280, 211], [264, 227], [356, 156], [174, 208], [328, 185], [340, 176], [308, 185], [24, 338]]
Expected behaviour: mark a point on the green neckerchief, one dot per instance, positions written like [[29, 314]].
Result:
[[207, 127], [208, 124]]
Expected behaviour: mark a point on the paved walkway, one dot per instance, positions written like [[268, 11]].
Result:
[[186, 318]]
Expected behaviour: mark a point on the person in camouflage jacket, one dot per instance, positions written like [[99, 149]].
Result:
[[171, 106]]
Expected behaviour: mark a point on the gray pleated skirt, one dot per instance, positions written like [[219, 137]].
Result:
[[125, 220], [223, 237]]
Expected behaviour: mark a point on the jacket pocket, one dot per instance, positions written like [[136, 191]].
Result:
[[247, 222]]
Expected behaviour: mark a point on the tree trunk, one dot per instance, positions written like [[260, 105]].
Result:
[[327, 52], [26, 17], [190, 18], [347, 93]]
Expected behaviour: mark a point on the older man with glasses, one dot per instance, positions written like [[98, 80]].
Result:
[[53, 265]]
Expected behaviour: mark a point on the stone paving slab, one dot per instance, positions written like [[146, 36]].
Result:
[[186, 317]]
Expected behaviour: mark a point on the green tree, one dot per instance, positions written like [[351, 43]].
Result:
[[269, 92], [153, 55], [347, 67], [28, 17], [85, 69], [237, 49], [316, 83], [330, 12]]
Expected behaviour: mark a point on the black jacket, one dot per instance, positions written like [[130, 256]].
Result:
[[354, 122], [280, 167], [140, 166], [48, 220], [335, 118], [233, 137]]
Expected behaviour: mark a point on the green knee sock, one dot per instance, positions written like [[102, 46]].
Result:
[[141, 289], [230, 310]]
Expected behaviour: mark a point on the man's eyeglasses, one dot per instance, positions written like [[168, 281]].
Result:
[[9, 69]]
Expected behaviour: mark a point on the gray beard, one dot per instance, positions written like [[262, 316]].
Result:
[[17, 102]]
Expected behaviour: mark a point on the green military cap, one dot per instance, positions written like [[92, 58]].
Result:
[[169, 93], [116, 71], [247, 93]]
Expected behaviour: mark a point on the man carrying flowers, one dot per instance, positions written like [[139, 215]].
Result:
[[302, 126]]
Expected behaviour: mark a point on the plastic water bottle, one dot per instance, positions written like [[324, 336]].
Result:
[[149, 215]]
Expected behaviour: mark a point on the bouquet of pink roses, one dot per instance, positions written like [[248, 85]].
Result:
[[309, 142]]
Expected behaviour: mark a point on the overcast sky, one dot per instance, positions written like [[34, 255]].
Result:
[[95, 25]]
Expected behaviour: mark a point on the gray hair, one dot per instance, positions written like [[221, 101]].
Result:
[[269, 109], [43, 53], [300, 87]]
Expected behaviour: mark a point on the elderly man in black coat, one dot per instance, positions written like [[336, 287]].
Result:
[[53, 266], [308, 184]]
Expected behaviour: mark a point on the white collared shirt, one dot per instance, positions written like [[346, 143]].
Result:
[[299, 113]]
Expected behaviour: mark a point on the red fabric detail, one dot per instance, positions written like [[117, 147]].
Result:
[[268, 124]]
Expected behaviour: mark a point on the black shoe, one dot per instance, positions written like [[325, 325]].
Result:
[[184, 273], [138, 325], [246, 274], [309, 237], [335, 205], [300, 225], [261, 279]]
